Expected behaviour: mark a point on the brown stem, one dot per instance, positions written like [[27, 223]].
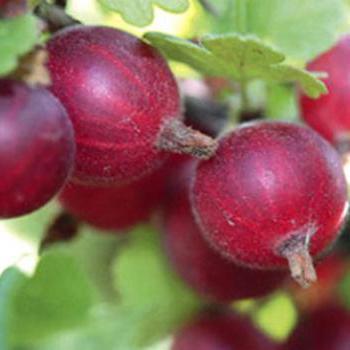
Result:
[[302, 268], [209, 8], [176, 137], [61, 3], [296, 251], [55, 17], [63, 228], [342, 144]]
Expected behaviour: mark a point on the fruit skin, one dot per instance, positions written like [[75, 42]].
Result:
[[115, 208], [327, 328], [118, 92], [270, 187], [330, 114], [206, 271], [221, 330], [36, 148]]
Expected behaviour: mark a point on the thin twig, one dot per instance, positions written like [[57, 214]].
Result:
[[209, 7], [55, 17]]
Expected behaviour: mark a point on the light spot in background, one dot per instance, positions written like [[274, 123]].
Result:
[[163, 345], [89, 11], [346, 167], [16, 251], [277, 317]]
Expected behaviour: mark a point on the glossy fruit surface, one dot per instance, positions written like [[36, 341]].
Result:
[[330, 114], [115, 208], [272, 189], [221, 331], [118, 92], [36, 148], [327, 328], [205, 270]]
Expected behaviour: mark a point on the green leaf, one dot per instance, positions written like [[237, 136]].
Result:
[[238, 57], [11, 279], [344, 290], [95, 251], [140, 12], [282, 103], [57, 297], [109, 328], [17, 36], [301, 29], [149, 288]]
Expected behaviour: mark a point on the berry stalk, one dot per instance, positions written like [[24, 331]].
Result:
[[176, 137]]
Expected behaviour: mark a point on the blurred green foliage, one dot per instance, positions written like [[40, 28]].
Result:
[[140, 12]]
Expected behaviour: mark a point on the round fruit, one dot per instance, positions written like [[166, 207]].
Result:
[[220, 331], [330, 114], [118, 92], [273, 192], [115, 208], [327, 328], [205, 270], [36, 148]]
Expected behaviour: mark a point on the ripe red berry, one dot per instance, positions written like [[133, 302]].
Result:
[[123, 102], [221, 330], [36, 148], [205, 270], [273, 192], [12, 8], [327, 328], [115, 208], [330, 114]]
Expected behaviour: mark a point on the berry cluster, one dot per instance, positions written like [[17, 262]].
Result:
[[236, 210]]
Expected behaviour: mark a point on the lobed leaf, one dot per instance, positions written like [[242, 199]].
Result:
[[300, 29], [58, 296], [17, 36], [238, 57], [10, 281], [140, 12]]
